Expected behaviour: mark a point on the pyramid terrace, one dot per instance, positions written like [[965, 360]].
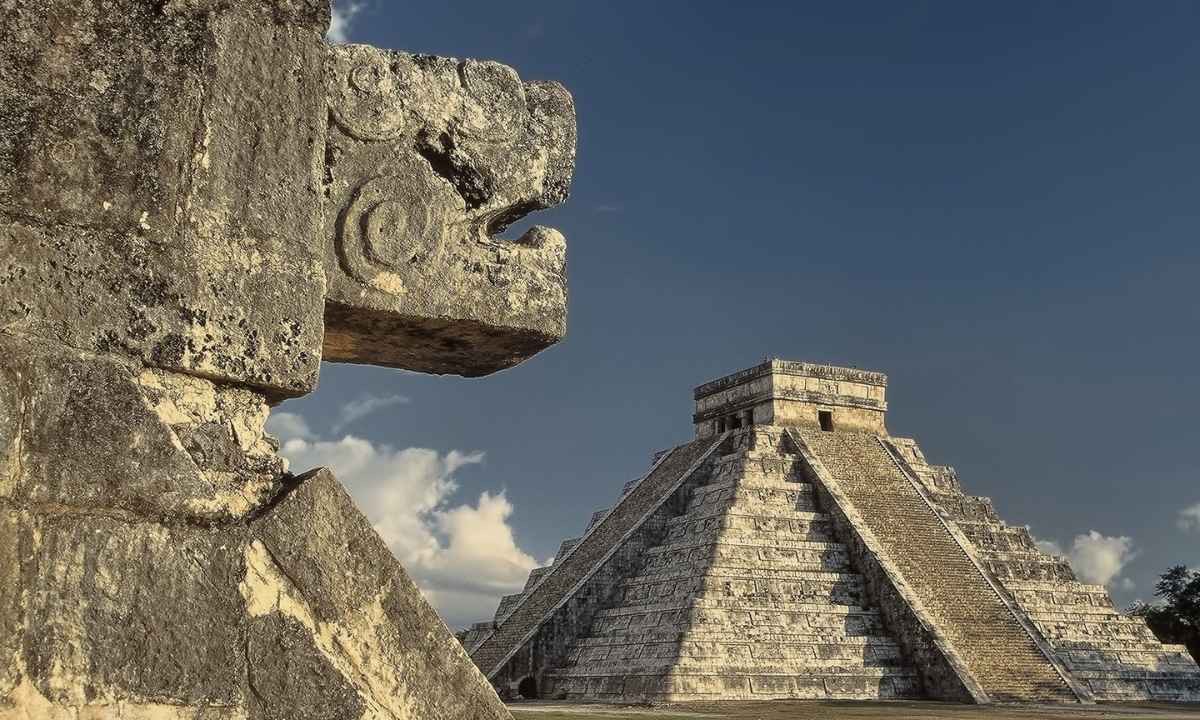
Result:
[[795, 549]]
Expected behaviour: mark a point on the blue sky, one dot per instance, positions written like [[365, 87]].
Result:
[[995, 204]]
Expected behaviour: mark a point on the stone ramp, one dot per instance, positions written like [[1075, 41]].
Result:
[[998, 650], [560, 580]]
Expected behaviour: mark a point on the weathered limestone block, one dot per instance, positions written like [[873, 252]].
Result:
[[159, 183], [315, 560], [299, 613], [427, 160], [119, 609], [79, 430], [198, 199]]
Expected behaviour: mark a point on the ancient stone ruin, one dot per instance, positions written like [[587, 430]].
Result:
[[795, 549], [199, 201]]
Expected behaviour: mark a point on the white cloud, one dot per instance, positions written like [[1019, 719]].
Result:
[[286, 425], [463, 556], [1096, 558], [339, 23], [480, 562], [1189, 518], [364, 406], [1099, 558]]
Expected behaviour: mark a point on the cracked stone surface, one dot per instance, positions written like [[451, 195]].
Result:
[[199, 201]]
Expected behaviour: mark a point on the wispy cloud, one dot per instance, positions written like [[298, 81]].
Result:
[[535, 29], [1189, 518], [358, 409], [1050, 547], [606, 209], [464, 556], [339, 23]]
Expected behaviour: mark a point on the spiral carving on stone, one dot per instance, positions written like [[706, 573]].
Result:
[[391, 226], [367, 93]]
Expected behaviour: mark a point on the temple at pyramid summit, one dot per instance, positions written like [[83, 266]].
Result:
[[795, 549]]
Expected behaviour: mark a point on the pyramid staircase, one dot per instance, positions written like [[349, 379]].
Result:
[[1116, 657], [744, 592], [1004, 657], [549, 589], [796, 550]]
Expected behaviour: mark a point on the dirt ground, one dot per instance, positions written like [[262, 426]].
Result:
[[818, 710]]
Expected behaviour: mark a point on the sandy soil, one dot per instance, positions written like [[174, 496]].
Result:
[[816, 710]]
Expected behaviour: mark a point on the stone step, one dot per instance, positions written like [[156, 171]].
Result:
[[565, 547], [793, 496], [507, 603], [674, 664], [832, 587], [629, 629], [761, 655], [596, 662], [1001, 655], [597, 516], [735, 516], [1027, 569], [1088, 616], [770, 544], [1118, 645], [1156, 659], [1074, 586], [1094, 632], [822, 621], [747, 607], [755, 575], [1056, 599], [605, 535], [864, 684], [771, 635], [753, 529], [703, 556], [535, 576]]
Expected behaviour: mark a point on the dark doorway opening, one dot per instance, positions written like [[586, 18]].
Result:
[[527, 688], [826, 418]]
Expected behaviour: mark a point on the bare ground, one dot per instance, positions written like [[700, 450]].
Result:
[[821, 710]]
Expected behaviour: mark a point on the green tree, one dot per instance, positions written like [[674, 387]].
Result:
[[1177, 618]]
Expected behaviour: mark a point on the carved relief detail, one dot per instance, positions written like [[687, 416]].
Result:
[[367, 91], [380, 96], [393, 224]]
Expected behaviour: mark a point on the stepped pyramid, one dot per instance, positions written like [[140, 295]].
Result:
[[794, 549]]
